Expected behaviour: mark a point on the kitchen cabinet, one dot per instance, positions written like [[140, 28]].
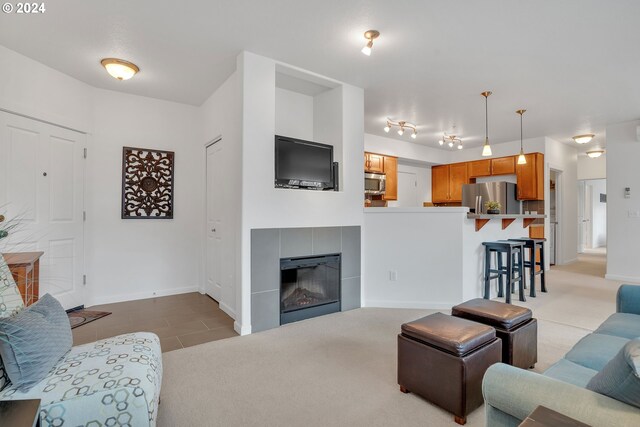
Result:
[[391, 171], [373, 162], [503, 166], [479, 168], [531, 177], [447, 181]]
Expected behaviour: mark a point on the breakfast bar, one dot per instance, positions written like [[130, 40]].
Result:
[[430, 257]]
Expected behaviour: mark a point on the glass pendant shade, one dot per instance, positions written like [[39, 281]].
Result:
[[522, 160], [486, 149]]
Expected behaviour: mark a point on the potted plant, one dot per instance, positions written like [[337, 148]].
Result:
[[492, 207]]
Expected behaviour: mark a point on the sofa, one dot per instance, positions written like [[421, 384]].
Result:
[[510, 394], [110, 382]]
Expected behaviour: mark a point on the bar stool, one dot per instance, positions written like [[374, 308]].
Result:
[[531, 264], [514, 251]]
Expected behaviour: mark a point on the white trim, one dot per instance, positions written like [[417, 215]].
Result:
[[571, 261], [241, 329], [26, 116], [409, 304], [143, 295], [224, 307], [620, 278]]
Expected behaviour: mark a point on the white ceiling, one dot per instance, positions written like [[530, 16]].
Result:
[[573, 64]]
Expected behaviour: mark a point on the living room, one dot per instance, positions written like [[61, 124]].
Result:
[[210, 87]]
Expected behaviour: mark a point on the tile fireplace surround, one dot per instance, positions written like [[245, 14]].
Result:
[[268, 245]]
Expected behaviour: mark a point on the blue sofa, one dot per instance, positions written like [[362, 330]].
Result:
[[510, 394]]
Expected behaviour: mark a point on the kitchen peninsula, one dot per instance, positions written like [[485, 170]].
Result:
[[430, 257]]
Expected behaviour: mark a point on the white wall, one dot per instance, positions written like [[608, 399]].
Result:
[[294, 114], [221, 116], [405, 149], [589, 168], [423, 179], [623, 226], [264, 206], [33, 89], [125, 259], [130, 259], [599, 217]]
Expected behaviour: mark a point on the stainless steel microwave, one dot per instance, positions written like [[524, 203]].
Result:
[[375, 183]]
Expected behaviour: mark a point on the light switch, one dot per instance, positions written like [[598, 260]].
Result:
[[627, 192], [633, 213], [393, 275]]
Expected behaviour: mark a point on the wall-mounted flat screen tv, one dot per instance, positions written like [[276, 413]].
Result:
[[303, 164]]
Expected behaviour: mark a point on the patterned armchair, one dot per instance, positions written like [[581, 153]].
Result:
[[110, 382]]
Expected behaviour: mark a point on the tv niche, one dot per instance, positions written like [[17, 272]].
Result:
[[305, 165]]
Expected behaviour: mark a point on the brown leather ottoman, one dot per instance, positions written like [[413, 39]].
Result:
[[443, 359], [514, 326]]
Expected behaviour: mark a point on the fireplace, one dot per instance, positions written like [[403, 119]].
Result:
[[309, 287]]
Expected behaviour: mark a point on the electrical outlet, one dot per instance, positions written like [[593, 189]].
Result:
[[634, 213], [393, 275]]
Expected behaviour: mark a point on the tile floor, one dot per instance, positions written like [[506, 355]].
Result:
[[179, 320]]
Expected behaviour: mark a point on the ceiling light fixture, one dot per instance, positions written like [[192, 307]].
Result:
[[451, 140], [583, 139], [486, 148], [595, 153], [402, 126], [370, 35], [522, 160], [119, 68]]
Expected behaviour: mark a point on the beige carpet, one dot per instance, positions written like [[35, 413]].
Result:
[[340, 370]]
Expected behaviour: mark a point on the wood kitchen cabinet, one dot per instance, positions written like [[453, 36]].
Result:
[[503, 166], [479, 168], [391, 171], [531, 177], [447, 181], [373, 162]]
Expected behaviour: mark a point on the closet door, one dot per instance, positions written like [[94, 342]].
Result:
[[42, 184]]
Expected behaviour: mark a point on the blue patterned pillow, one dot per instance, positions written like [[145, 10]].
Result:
[[620, 378], [33, 341]]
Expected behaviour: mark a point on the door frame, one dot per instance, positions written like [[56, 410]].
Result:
[[205, 227], [559, 257]]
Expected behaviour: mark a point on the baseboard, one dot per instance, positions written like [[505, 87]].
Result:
[[409, 304], [571, 261], [619, 278], [224, 307], [241, 329], [143, 295]]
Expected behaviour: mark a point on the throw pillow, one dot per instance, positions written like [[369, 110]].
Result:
[[10, 303], [620, 378], [33, 341]]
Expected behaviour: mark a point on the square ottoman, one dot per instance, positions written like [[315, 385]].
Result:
[[443, 359], [514, 325]]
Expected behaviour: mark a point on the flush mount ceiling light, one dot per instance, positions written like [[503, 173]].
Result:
[[119, 68], [370, 35], [522, 160], [486, 148], [451, 140], [595, 153], [583, 139], [401, 125]]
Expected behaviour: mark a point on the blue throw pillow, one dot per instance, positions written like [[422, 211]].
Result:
[[33, 341], [620, 378]]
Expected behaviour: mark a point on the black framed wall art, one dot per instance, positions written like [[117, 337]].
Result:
[[147, 183]]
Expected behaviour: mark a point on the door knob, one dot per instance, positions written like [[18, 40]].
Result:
[[213, 230]]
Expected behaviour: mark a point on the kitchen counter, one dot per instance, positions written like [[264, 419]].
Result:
[[505, 216]]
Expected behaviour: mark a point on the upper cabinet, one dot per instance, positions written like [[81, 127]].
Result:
[[503, 166], [479, 168], [531, 178], [391, 171], [373, 162], [447, 181]]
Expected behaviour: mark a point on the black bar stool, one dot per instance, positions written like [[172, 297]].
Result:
[[514, 251], [534, 244]]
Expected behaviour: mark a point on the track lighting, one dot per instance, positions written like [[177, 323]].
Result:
[[370, 35], [451, 140], [402, 126]]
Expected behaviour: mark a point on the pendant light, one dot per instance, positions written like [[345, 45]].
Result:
[[486, 149], [522, 160]]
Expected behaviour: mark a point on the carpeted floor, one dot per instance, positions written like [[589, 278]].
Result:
[[340, 370]]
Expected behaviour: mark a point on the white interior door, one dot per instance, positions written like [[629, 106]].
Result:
[[42, 183], [214, 222], [587, 218], [407, 189]]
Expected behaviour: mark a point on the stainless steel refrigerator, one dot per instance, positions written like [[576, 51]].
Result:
[[474, 197]]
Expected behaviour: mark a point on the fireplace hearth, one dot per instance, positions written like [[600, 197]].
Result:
[[309, 287]]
